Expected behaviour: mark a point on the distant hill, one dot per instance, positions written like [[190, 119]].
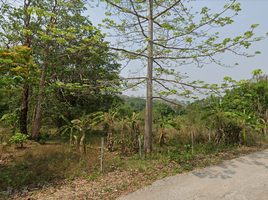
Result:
[[139, 103]]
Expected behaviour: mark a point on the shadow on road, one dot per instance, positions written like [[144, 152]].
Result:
[[229, 167]]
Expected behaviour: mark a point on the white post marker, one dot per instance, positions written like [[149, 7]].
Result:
[[102, 144], [192, 141], [140, 146]]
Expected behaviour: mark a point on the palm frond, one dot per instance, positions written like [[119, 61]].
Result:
[[65, 119], [174, 125], [61, 129]]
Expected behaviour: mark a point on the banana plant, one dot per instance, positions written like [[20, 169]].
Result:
[[109, 118], [123, 121], [163, 122], [220, 111], [246, 118], [81, 125], [69, 127], [132, 121], [264, 125], [264, 120]]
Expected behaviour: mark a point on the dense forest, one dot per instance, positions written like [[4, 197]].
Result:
[[60, 86]]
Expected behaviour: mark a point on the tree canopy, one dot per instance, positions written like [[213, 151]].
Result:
[[69, 54]]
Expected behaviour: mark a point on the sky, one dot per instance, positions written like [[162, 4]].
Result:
[[253, 12]]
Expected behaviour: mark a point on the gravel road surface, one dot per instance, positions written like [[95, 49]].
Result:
[[238, 179]]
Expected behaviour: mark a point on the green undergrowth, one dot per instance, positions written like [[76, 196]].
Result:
[[56, 161]]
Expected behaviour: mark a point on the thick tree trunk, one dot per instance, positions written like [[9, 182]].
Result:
[[24, 111], [39, 111], [149, 102], [37, 123], [25, 95]]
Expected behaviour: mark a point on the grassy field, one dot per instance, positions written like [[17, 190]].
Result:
[[46, 170]]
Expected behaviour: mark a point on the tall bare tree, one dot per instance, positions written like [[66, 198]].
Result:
[[166, 34]]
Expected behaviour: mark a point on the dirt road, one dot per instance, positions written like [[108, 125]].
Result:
[[242, 178]]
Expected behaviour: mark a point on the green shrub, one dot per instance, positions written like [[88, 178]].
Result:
[[18, 138], [231, 130]]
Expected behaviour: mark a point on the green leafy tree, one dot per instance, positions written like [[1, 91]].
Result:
[[252, 96], [138, 104], [55, 30], [71, 96], [18, 72], [164, 109]]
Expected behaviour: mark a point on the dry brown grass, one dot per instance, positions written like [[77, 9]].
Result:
[[184, 135], [55, 162], [37, 164]]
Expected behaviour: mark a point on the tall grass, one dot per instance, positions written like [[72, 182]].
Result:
[[43, 164]]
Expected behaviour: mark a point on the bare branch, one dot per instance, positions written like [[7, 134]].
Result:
[[176, 48], [158, 64], [132, 78], [162, 85], [191, 31], [118, 49], [189, 85], [172, 102], [132, 86], [142, 30], [124, 10], [167, 9]]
